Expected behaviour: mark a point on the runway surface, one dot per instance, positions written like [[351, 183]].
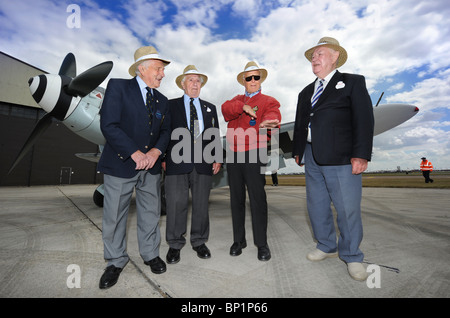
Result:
[[51, 246]]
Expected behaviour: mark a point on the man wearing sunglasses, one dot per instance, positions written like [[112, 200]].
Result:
[[250, 117]]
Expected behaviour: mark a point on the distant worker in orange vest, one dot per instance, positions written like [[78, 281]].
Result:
[[426, 167]]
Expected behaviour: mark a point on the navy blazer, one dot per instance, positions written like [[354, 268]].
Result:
[[342, 121], [210, 141], [124, 122]]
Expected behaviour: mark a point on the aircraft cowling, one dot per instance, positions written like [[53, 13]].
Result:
[[85, 118]]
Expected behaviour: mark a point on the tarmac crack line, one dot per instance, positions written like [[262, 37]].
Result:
[[148, 279]]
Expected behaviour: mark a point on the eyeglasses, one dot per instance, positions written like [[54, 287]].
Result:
[[249, 78]]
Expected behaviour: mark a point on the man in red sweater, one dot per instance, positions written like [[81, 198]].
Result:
[[249, 117]]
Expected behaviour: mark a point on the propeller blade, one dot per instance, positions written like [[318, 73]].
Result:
[[38, 130], [68, 66], [89, 80]]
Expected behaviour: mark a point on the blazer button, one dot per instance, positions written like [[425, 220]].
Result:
[[312, 114], [146, 147]]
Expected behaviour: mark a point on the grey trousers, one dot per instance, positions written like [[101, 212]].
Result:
[[118, 194], [337, 185], [177, 203]]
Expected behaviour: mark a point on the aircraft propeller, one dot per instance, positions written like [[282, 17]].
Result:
[[60, 104]]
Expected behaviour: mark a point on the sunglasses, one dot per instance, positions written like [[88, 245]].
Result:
[[249, 78]]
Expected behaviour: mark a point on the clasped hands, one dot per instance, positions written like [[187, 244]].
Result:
[[269, 123], [147, 160]]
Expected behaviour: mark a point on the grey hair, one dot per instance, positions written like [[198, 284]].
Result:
[[184, 78], [145, 64]]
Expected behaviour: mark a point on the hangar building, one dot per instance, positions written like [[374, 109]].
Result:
[[52, 160]]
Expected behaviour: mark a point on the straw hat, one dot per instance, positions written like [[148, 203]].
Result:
[[190, 70], [252, 66], [331, 43], [145, 53]]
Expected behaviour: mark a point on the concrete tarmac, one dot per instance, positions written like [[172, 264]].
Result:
[[51, 246]]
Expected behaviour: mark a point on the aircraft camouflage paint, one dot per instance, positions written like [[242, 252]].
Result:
[[76, 102]]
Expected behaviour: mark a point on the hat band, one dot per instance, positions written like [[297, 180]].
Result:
[[192, 72], [251, 68], [149, 56], [323, 43]]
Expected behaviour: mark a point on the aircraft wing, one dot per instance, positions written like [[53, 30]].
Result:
[[386, 117], [93, 157]]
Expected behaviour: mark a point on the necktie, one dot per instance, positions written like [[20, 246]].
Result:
[[193, 125], [317, 94], [149, 105]]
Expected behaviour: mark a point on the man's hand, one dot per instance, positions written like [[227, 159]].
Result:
[[216, 167], [269, 123], [297, 161], [152, 157], [141, 160], [249, 110], [145, 161], [358, 165]]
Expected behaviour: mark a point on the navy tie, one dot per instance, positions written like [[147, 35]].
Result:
[[149, 105], [194, 125]]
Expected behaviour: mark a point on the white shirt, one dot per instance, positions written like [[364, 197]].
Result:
[[187, 106], [325, 81]]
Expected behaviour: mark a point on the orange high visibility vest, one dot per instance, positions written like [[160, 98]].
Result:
[[426, 166]]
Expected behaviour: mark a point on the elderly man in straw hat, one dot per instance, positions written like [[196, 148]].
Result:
[[333, 137], [135, 121], [190, 167], [245, 115]]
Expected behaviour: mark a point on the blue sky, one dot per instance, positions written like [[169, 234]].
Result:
[[400, 46]]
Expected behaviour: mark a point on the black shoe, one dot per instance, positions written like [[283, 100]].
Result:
[[110, 277], [263, 253], [173, 256], [157, 265], [236, 248], [202, 251]]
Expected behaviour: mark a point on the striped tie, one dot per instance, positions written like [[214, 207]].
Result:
[[317, 94]]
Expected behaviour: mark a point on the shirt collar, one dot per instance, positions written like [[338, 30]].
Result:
[[142, 85], [252, 94], [187, 99], [327, 78]]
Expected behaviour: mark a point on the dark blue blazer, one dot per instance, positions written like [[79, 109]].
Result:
[[342, 121], [210, 140], [124, 122]]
